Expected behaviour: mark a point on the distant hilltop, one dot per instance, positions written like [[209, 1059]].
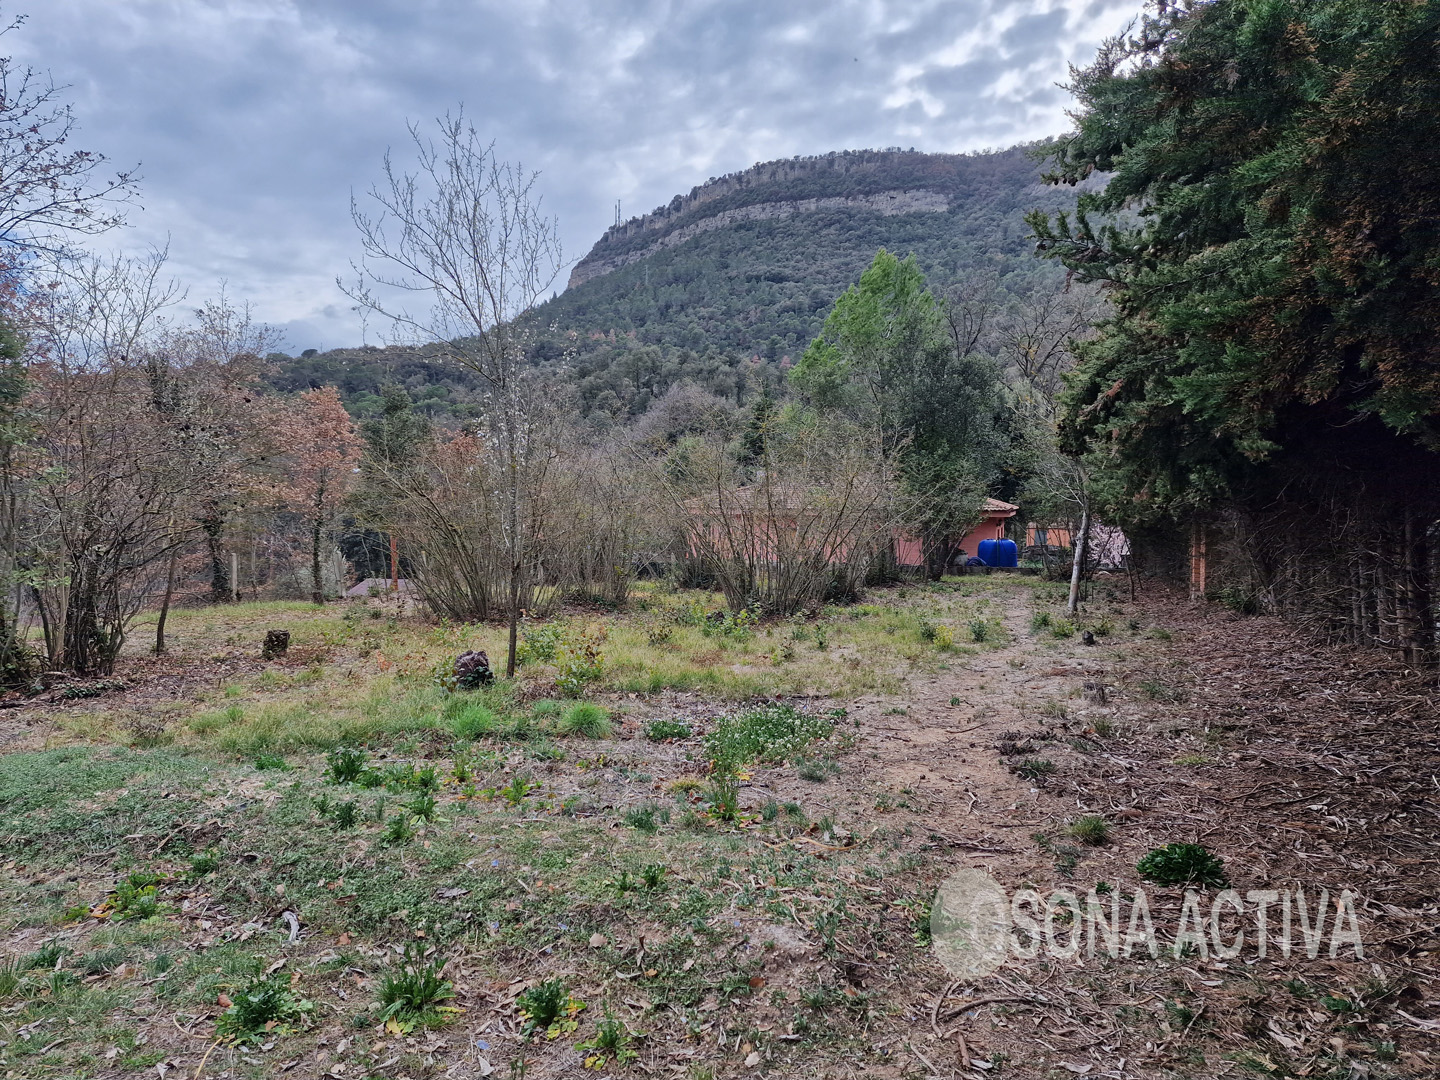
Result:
[[889, 182]]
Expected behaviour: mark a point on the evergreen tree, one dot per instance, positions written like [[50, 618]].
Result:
[[1270, 238]]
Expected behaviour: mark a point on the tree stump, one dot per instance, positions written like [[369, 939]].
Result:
[[472, 670], [277, 643]]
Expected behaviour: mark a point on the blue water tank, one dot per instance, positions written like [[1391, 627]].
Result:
[[999, 553]]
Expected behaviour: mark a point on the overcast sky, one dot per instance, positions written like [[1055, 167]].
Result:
[[253, 120]]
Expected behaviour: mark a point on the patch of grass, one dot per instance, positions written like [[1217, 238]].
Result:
[[816, 770], [1183, 864], [1156, 690], [1091, 829], [474, 721], [587, 720]]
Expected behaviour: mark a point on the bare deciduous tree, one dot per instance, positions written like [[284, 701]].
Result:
[[48, 191], [467, 230]]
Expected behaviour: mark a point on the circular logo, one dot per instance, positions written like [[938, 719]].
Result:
[[970, 924]]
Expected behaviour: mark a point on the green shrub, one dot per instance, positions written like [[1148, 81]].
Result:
[[1040, 621], [1183, 864], [539, 644], [587, 720]]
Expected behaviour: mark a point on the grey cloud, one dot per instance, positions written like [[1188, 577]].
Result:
[[256, 119]]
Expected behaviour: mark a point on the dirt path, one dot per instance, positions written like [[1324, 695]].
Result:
[[1303, 766]]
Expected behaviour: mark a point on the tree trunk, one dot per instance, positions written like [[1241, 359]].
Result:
[[1079, 561], [214, 525], [165, 603], [317, 593]]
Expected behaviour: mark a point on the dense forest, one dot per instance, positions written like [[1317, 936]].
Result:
[[732, 308]]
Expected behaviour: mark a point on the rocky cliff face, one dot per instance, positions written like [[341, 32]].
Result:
[[884, 181], [887, 203]]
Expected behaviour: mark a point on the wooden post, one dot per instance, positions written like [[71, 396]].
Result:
[[234, 577], [1197, 561], [394, 565]]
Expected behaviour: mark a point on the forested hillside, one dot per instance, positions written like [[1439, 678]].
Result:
[[731, 306]]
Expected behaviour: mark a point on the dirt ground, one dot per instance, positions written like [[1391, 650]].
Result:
[[1303, 767]]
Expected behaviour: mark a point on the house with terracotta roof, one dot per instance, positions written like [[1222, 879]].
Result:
[[908, 550]]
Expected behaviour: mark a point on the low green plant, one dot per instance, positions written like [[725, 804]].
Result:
[[265, 761], [422, 806], [540, 644], [1062, 628], [412, 993], [520, 786], [816, 770], [981, 630], [1183, 864], [546, 1007], [10, 977], [583, 662], [103, 961], [1035, 770], [264, 1006], [345, 815], [135, 897], [769, 733], [45, 958], [1041, 620], [206, 862], [723, 797], [587, 720], [660, 730], [611, 1042], [345, 764], [399, 830], [642, 819], [653, 875]]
